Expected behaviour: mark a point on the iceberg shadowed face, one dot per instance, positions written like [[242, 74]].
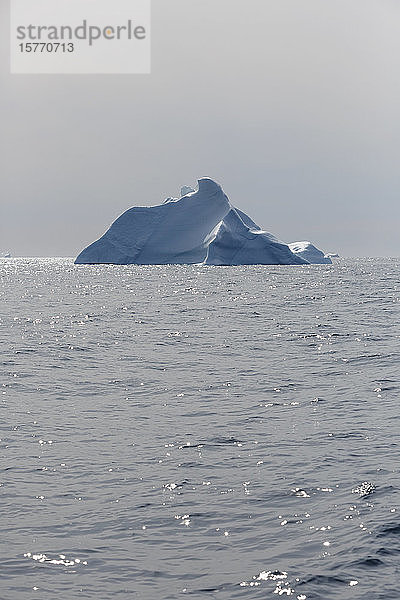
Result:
[[176, 232]]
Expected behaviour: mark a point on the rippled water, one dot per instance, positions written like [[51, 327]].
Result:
[[200, 432]]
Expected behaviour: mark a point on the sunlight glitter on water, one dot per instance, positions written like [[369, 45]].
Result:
[[244, 441], [60, 560], [282, 585]]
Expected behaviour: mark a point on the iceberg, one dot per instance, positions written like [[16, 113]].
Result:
[[200, 227], [310, 253]]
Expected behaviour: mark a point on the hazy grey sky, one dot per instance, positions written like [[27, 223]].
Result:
[[292, 105]]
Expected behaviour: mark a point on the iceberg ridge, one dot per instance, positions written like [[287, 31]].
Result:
[[240, 241]]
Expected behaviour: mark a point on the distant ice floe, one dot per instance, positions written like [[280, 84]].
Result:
[[200, 227]]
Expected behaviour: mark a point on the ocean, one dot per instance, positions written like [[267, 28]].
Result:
[[172, 432]]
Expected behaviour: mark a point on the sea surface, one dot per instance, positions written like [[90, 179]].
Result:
[[172, 432]]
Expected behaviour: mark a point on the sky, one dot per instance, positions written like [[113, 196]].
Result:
[[291, 105]]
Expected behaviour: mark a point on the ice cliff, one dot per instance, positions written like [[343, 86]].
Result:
[[199, 227]]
